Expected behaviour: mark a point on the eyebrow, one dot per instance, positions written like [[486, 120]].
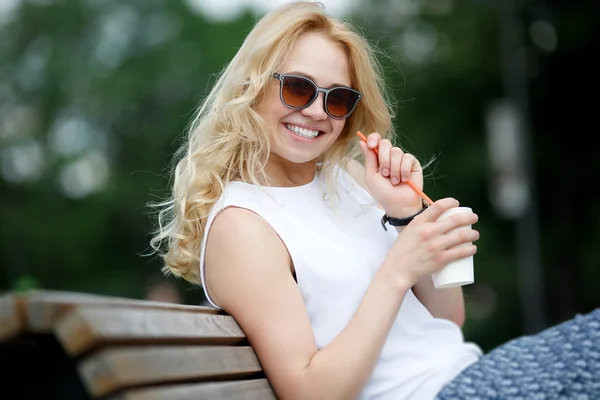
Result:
[[313, 79]]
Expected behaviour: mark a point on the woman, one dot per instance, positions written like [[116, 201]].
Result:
[[275, 216]]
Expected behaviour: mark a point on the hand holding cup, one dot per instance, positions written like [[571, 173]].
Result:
[[459, 272]]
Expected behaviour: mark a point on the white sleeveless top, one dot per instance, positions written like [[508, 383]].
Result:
[[335, 253]]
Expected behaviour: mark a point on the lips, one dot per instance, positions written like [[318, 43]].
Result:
[[299, 136], [304, 131]]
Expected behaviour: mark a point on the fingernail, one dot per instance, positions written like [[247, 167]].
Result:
[[371, 143], [395, 180], [385, 172]]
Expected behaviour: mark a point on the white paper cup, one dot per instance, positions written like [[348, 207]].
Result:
[[459, 272]]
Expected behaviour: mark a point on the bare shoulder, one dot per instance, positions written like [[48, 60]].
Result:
[[237, 240]]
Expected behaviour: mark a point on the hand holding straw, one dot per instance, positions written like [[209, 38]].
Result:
[[408, 182]]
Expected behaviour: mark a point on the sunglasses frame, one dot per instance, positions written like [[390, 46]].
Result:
[[281, 79]]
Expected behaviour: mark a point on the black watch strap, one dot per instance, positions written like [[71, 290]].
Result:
[[401, 221]]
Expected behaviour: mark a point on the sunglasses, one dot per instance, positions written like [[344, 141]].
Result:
[[299, 92]]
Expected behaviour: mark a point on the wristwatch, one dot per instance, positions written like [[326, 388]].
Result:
[[401, 221]]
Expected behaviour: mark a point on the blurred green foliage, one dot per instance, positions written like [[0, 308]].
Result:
[[95, 97]]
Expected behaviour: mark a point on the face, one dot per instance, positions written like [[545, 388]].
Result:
[[325, 63]]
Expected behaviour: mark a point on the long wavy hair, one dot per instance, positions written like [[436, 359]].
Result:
[[227, 139]]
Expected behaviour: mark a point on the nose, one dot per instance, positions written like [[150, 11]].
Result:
[[316, 110]]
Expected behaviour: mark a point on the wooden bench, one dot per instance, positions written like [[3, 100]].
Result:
[[61, 345]]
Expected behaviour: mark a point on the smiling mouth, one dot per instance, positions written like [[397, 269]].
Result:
[[303, 132]]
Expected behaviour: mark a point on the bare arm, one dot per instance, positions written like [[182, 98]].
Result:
[[446, 303], [248, 272], [441, 303]]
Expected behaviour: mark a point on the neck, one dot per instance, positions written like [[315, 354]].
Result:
[[284, 173]]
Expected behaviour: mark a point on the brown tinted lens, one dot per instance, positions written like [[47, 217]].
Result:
[[341, 101], [297, 92]]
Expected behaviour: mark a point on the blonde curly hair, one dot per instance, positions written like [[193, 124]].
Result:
[[227, 139]]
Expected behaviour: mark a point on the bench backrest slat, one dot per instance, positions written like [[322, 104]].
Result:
[[44, 308], [13, 317], [85, 328], [114, 369], [254, 389]]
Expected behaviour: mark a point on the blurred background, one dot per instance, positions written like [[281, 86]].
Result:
[[95, 96]]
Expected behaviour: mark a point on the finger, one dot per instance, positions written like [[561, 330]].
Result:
[[435, 210], [409, 165], [463, 219], [370, 158], [373, 140], [385, 148], [457, 238], [396, 162], [456, 253]]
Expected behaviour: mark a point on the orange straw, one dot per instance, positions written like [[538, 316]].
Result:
[[409, 182]]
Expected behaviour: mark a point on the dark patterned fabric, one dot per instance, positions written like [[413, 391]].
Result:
[[561, 362]]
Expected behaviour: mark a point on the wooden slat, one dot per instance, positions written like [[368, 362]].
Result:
[[13, 319], [85, 328], [117, 368], [254, 389], [44, 308]]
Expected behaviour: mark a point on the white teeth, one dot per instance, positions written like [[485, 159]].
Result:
[[305, 133]]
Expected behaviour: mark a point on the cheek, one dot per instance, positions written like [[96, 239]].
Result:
[[269, 104], [338, 126]]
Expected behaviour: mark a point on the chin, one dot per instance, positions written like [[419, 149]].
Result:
[[298, 158], [300, 152]]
